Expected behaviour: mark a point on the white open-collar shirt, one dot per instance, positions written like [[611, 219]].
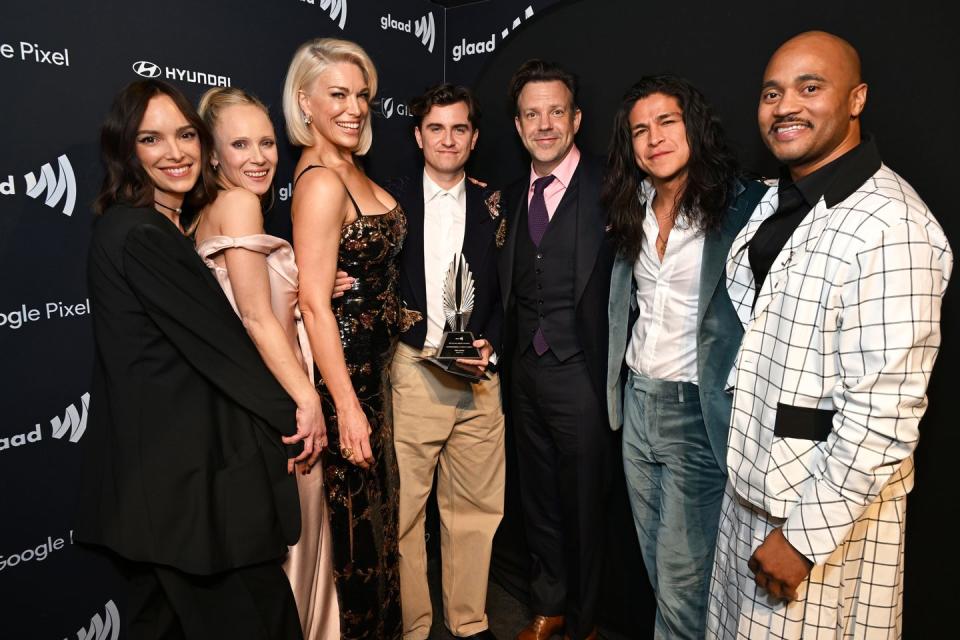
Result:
[[444, 223], [663, 343]]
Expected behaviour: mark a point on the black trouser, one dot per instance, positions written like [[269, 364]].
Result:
[[565, 451], [250, 603]]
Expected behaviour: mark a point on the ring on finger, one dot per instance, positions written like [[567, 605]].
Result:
[[346, 452]]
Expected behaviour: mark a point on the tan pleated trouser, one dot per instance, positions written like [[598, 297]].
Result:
[[441, 419]]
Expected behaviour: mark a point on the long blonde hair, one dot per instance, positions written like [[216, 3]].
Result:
[[309, 62]]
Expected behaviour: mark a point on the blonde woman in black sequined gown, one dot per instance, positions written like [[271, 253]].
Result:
[[343, 220]]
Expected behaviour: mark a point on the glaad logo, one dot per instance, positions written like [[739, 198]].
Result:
[[388, 106], [146, 69], [337, 9], [58, 186], [74, 423], [105, 628], [464, 48], [149, 69], [527, 14], [425, 29], [39, 553]]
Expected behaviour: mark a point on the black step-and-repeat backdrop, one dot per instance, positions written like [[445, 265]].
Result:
[[60, 65], [61, 62]]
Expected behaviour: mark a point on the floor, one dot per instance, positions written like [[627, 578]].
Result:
[[506, 614]]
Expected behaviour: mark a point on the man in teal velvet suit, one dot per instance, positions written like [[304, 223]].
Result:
[[676, 201]]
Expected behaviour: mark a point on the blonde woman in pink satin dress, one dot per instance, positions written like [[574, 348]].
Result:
[[259, 276]]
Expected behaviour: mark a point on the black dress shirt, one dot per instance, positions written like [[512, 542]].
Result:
[[833, 182]]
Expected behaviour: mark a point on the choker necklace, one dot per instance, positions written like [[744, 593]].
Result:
[[176, 210]]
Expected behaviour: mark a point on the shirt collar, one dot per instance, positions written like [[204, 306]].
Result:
[[432, 190], [564, 171], [840, 178], [647, 191]]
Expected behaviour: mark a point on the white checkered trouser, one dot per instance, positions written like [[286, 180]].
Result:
[[856, 593]]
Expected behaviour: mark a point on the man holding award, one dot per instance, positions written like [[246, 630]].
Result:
[[446, 402]]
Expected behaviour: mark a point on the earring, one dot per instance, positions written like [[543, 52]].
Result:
[[215, 165], [307, 119]]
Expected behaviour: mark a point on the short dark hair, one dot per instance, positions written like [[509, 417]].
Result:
[[125, 180], [711, 170], [441, 95], [537, 70]]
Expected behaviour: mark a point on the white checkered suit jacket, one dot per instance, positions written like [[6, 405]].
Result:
[[847, 321]]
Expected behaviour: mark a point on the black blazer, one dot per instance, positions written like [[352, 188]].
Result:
[[592, 258], [183, 463], [479, 248]]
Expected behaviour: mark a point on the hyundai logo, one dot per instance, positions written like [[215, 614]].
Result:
[[146, 69]]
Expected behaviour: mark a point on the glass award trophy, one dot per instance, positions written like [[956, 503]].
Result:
[[458, 292], [457, 342]]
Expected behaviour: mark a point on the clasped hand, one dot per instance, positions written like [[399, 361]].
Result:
[[312, 430], [778, 567]]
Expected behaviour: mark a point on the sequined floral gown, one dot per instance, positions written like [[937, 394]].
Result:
[[364, 502]]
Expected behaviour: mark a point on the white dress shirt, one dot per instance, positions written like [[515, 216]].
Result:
[[444, 221], [663, 343]]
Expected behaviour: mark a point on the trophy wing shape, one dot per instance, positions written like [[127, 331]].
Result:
[[458, 294]]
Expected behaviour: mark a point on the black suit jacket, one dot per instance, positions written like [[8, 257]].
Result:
[[592, 259], [183, 463], [479, 248]]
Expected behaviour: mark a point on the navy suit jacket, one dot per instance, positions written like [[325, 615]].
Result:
[[592, 261], [479, 249]]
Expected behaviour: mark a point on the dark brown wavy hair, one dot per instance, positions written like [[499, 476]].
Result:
[[537, 70], [711, 171], [442, 95], [125, 180]]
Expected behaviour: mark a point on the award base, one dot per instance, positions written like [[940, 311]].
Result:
[[457, 344], [471, 373]]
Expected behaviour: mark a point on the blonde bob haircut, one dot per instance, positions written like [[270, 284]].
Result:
[[309, 62]]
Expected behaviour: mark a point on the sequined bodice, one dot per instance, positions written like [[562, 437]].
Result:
[[368, 314]]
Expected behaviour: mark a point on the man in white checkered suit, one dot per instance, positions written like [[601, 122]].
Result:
[[838, 279]]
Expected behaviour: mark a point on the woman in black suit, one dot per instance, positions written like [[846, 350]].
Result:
[[190, 436]]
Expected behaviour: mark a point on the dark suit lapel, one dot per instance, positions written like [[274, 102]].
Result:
[[476, 236], [413, 244], [591, 226], [716, 246], [514, 207]]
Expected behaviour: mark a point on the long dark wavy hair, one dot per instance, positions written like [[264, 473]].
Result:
[[710, 172], [125, 180]]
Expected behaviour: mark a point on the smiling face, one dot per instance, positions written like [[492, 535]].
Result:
[[659, 136], [547, 122], [338, 103], [168, 147], [811, 101], [446, 137], [245, 148]]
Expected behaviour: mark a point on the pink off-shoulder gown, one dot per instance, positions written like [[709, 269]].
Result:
[[309, 562]]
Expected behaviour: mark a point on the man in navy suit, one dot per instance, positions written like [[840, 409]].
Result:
[[441, 418], [554, 276]]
